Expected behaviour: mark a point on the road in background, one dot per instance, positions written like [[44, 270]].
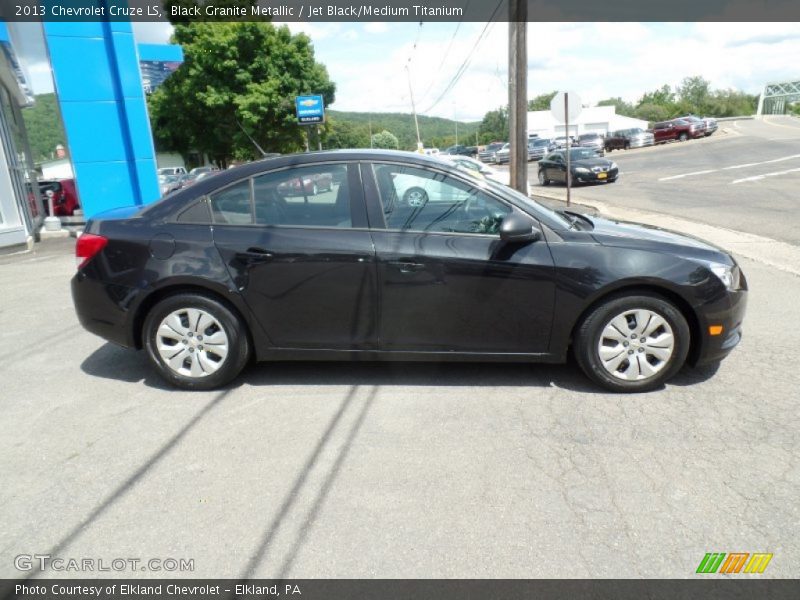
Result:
[[745, 177]]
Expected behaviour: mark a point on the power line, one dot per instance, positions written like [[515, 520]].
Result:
[[465, 65], [446, 52]]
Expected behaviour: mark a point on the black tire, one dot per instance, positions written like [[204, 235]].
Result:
[[542, 179], [627, 146], [415, 197], [235, 330], [683, 137], [588, 336]]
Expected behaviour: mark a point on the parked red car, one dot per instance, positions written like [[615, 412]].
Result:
[[65, 196], [310, 185], [676, 129]]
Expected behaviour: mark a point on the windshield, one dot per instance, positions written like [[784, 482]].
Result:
[[581, 153], [539, 210]]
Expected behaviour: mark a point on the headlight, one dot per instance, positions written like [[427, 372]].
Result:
[[727, 274], [582, 170], [613, 165]]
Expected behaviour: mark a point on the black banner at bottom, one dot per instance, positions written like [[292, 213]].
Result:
[[398, 589]]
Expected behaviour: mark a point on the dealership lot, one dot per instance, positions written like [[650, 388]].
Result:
[[745, 177]]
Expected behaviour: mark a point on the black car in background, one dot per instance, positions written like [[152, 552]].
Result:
[[247, 265], [585, 164]]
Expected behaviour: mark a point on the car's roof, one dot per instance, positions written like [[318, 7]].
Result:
[[221, 178]]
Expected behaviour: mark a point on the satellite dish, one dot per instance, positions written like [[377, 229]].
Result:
[[557, 106]]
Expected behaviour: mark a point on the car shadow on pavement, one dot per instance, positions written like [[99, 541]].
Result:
[[430, 374], [110, 361], [122, 364]]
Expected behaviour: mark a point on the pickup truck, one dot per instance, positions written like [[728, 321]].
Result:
[[458, 149], [676, 129]]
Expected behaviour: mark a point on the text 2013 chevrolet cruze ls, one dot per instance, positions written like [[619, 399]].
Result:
[[400, 257]]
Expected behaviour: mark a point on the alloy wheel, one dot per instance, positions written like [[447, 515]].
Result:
[[191, 342], [636, 345]]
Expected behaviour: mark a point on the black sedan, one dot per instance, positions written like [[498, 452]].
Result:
[[586, 167], [233, 269]]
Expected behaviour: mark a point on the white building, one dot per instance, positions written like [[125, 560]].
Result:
[[597, 119]]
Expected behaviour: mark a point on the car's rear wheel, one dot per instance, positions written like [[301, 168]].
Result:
[[542, 179], [195, 341], [632, 343], [683, 137]]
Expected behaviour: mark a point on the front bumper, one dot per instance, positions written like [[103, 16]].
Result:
[[728, 312], [592, 177]]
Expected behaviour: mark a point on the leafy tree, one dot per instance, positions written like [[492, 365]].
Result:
[[621, 107], [233, 97], [693, 94], [795, 109], [385, 139], [44, 127], [541, 102], [344, 134], [494, 126], [652, 112], [664, 96]]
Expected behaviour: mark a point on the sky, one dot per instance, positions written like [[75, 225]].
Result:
[[368, 61]]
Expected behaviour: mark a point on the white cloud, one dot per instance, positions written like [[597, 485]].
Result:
[[376, 27]]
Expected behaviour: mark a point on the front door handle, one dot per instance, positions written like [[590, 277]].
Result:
[[408, 267], [255, 254]]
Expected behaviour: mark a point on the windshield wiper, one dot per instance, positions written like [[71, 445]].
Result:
[[575, 217]]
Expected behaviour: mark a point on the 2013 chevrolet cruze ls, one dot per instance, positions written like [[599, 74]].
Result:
[[397, 257]]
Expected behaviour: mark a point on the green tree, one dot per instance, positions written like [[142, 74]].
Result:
[[494, 126], [694, 95], [620, 106], [652, 112], [385, 139], [344, 134], [663, 96], [541, 102], [233, 97], [44, 127]]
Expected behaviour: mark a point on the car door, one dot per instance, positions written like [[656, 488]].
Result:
[[304, 263], [446, 281], [556, 167]]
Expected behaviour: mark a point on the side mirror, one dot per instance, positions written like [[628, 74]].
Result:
[[517, 228]]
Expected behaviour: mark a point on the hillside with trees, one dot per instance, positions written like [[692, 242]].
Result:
[[352, 130], [44, 127]]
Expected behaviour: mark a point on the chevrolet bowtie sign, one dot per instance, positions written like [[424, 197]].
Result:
[[310, 110]]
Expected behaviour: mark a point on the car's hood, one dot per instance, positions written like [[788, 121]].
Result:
[[591, 162], [636, 235]]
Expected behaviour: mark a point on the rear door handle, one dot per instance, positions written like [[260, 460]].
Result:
[[408, 267]]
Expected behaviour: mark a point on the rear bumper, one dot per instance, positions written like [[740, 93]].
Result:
[[98, 308]]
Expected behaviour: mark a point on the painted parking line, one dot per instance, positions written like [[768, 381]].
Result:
[[687, 174], [742, 166], [760, 177]]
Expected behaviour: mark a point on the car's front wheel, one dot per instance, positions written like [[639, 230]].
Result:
[[632, 343], [542, 179], [195, 342]]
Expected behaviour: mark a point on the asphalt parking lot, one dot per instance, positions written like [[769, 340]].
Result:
[[745, 177], [391, 470]]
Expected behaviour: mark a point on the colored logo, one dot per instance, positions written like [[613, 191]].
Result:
[[734, 562]]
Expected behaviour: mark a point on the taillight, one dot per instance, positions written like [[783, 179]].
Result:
[[88, 245]]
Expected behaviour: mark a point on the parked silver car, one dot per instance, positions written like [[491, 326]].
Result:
[[593, 141], [488, 154]]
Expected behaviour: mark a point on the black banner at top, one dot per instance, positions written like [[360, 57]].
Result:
[[401, 10]]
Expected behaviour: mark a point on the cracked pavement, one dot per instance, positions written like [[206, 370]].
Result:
[[392, 470]]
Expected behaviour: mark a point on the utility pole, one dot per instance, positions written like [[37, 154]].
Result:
[[518, 94], [455, 118], [413, 108], [566, 133]]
